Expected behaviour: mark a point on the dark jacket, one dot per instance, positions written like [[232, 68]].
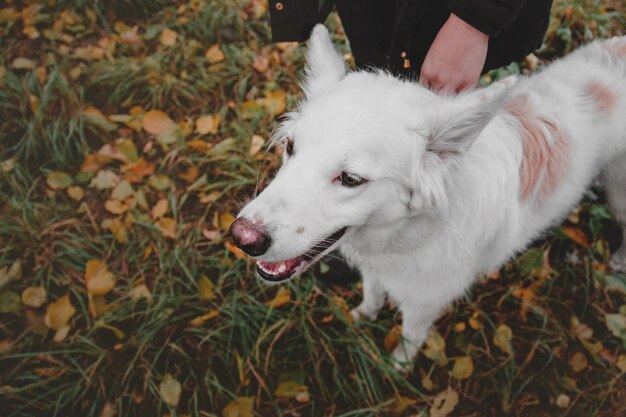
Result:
[[380, 31]]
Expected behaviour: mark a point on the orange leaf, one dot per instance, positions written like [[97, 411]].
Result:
[[168, 37], [190, 174], [214, 54], [159, 209], [283, 296], [208, 124], [158, 123], [576, 235], [392, 339], [59, 312], [167, 227]]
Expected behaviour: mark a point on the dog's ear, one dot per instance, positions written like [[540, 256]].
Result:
[[455, 122], [325, 66]]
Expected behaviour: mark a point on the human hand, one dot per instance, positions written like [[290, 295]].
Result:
[[456, 57]]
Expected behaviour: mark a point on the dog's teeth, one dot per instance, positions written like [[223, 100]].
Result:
[[282, 268]]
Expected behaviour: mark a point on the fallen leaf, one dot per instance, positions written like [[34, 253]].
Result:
[[167, 227], [8, 164], [621, 363], [576, 235], [275, 102], [580, 330], [158, 123], [97, 305], [122, 190], [616, 323], [118, 207], [200, 320], [190, 174], [579, 362], [139, 292], [105, 179], [261, 63], [9, 273], [159, 209], [290, 389], [117, 228], [435, 348], [283, 296], [208, 124], [214, 54], [23, 64], [98, 278], [392, 339], [59, 312], [502, 338], [10, 302], [61, 334], [463, 368], [563, 401], [168, 37], [170, 390], [199, 145], [444, 403], [135, 171], [401, 403], [160, 182], [205, 289], [75, 192], [94, 162], [58, 180], [239, 407], [256, 144], [225, 220], [34, 296]]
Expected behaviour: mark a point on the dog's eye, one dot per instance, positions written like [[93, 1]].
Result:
[[350, 180], [289, 147]]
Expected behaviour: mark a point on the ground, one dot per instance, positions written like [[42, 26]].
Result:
[[131, 131]]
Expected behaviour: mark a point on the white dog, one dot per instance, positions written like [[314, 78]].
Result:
[[424, 193]]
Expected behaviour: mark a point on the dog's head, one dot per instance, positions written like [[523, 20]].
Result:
[[364, 149]]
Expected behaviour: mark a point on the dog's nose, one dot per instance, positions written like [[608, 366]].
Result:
[[249, 237]]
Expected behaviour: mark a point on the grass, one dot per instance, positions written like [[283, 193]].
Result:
[[184, 328]]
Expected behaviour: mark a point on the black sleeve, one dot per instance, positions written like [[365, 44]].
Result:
[[488, 16], [293, 20]]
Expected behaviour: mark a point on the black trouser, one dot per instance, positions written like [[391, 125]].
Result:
[[379, 34]]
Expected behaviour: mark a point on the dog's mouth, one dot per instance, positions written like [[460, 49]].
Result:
[[283, 270]]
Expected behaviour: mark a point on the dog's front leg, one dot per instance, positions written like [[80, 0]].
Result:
[[417, 319], [373, 299]]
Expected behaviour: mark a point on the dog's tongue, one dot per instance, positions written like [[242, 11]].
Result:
[[280, 267]]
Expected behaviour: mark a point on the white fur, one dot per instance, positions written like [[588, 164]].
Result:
[[442, 205]]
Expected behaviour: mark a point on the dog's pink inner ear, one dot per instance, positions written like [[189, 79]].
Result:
[[546, 150]]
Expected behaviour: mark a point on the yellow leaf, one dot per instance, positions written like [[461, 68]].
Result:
[[200, 320], [190, 174], [290, 389], [61, 334], [199, 145], [118, 207], [256, 144], [283, 296], [563, 401], [239, 407], [159, 209], [23, 63], [135, 171], [435, 348], [205, 289], [76, 192], [105, 179], [392, 339], [139, 292], [158, 123], [502, 338], [444, 403], [59, 312], [208, 124], [34, 296], [459, 327], [170, 390], [214, 54], [225, 220], [7, 274], [160, 182], [463, 368], [167, 227], [122, 190], [621, 363], [117, 228], [579, 362], [580, 330], [98, 278], [58, 180], [93, 162], [401, 404], [275, 102], [97, 305], [31, 32], [168, 37]]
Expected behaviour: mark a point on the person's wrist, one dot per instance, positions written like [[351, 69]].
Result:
[[463, 28]]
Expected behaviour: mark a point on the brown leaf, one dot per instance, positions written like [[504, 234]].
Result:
[[98, 278], [214, 54], [208, 124], [159, 209], [239, 407], [59, 312], [167, 227], [190, 174], [225, 220], [34, 296], [576, 235], [392, 339], [168, 37], [579, 362], [158, 123], [283, 296], [444, 403]]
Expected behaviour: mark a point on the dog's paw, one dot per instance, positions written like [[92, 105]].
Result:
[[359, 314], [403, 356]]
